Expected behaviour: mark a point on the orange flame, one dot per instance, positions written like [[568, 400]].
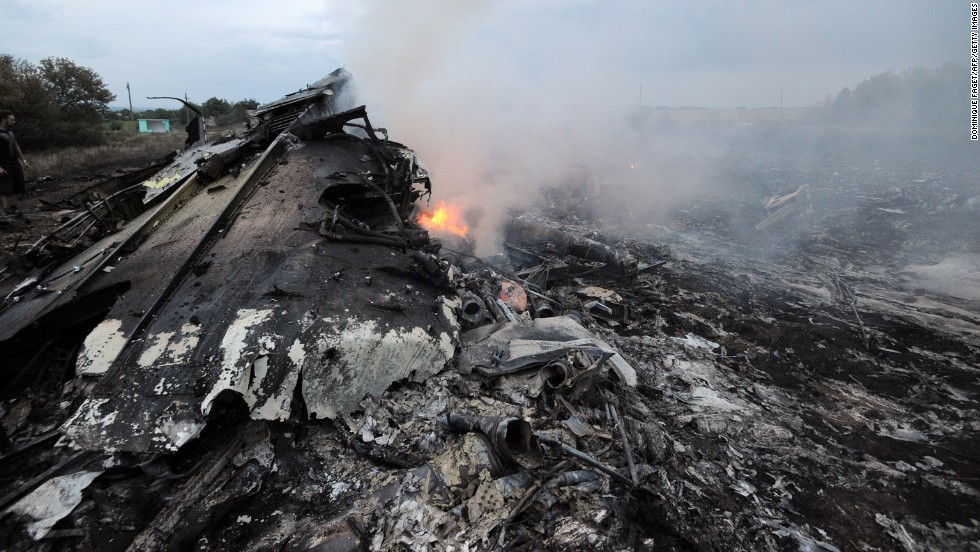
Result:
[[444, 219]]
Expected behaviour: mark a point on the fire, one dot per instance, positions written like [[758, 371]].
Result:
[[445, 218]]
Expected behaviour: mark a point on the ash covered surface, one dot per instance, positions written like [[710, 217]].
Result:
[[715, 381]]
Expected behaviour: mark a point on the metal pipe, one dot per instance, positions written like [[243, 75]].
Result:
[[474, 310], [511, 437], [543, 310], [391, 204], [335, 237], [349, 224], [605, 468], [576, 245], [494, 308], [573, 477], [506, 310], [511, 483], [626, 444], [554, 374]]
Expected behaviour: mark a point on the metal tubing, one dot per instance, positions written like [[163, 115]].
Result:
[[626, 444], [605, 468], [543, 310], [474, 310], [573, 477], [511, 437], [554, 374]]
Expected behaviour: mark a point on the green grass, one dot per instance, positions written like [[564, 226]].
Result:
[[122, 148], [119, 126]]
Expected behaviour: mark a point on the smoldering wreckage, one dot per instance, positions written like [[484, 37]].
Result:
[[255, 345]]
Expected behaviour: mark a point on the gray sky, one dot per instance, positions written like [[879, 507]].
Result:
[[713, 54]]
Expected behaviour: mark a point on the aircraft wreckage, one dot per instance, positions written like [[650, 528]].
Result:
[[227, 284], [280, 277]]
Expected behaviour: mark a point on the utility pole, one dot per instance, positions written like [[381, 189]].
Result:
[[132, 116], [186, 120]]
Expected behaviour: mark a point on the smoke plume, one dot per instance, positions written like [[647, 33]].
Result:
[[504, 99]]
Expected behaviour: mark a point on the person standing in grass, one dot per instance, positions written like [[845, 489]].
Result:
[[12, 164]]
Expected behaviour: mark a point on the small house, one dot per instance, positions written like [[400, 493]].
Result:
[[154, 125]]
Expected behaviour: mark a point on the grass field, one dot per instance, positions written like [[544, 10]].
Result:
[[121, 149]]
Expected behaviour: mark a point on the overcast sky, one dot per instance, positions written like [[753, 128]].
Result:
[[714, 54]]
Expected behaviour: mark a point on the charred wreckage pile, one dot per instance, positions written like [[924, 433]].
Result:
[[254, 345]]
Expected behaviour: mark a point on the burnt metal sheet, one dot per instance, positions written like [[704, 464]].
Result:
[[531, 233], [328, 85], [183, 167], [72, 281], [314, 102], [163, 259], [277, 307], [62, 291], [52, 501], [105, 188], [543, 338]]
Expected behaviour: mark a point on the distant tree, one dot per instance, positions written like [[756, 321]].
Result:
[[248, 104], [878, 96], [238, 113], [23, 91], [225, 113], [57, 102], [81, 98], [10, 72], [161, 113], [215, 107], [79, 90], [119, 115], [842, 104], [918, 97], [241, 109]]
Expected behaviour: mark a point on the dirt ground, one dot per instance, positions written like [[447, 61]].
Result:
[[40, 205], [827, 377], [809, 386]]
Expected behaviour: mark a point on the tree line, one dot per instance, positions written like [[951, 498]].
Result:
[[920, 96], [221, 112], [60, 104], [57, 102]]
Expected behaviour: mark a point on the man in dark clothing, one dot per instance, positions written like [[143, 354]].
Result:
[[12, 164]]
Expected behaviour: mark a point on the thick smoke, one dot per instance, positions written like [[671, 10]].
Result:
[[504, 99], [499, 109]]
